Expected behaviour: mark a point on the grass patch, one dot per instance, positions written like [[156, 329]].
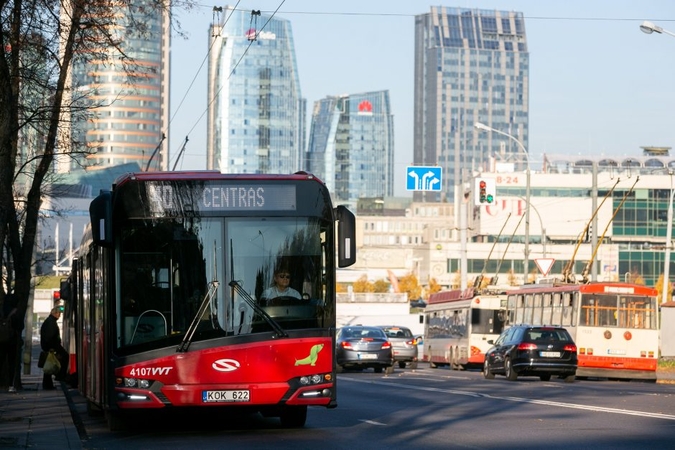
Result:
[[666, 363]]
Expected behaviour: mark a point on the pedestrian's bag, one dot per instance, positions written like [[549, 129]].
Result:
[[52, 364]]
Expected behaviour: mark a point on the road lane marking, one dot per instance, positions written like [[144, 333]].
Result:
[[372, 422], [626, 412]]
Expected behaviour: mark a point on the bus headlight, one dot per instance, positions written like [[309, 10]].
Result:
[[309, 380], [134, 383]]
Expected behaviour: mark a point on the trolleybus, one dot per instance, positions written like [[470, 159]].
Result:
[[167, 294], [614, 325], [458, 325]]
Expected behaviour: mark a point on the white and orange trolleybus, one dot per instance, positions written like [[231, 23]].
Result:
[[459, 324], [614, 325]]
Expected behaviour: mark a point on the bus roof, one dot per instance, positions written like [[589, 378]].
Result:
[[597, 287], [209, 175]]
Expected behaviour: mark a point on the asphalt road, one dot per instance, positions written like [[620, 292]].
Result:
[[428, 408]]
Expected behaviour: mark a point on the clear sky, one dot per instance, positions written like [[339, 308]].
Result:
[[598, 85]]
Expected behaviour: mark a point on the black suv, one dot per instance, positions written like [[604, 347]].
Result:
[[532, 350]]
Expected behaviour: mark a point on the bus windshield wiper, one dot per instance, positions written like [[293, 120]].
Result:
[[185, 344], [251, 302]]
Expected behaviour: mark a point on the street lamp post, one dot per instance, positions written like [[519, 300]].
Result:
[[483, 127], [649, 28], [669, 232]]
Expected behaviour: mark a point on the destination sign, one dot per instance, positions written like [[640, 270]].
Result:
[[222, 197]]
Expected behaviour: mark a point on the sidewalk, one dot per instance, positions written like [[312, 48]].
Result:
[[35, 418]]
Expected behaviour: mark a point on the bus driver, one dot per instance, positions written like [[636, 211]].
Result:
[[280, 287]]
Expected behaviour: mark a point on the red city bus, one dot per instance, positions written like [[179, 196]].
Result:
[[167, 306]]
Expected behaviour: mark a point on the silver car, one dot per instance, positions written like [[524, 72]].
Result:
[[403, 344], [362, 347]]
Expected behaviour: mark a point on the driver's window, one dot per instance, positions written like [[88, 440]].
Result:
[[276, 261]]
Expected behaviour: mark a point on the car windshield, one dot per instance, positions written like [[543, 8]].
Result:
[[397, 332], [548, 335], [360, 333]]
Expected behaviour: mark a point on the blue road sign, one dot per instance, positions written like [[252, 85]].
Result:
[[423, 178]]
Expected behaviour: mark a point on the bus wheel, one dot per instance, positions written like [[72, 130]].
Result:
[[511, 374], [293, 416], [115, 421], [546, 377]]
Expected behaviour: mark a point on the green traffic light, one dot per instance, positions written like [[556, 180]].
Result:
[[490, 198]]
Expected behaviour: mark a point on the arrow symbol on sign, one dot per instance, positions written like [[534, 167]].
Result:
[[425, 183]]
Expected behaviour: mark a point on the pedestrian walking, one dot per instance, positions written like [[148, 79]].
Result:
[[50, 340]]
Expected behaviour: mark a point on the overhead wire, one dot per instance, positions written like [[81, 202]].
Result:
[[347, 13], [257, 33], [206, 57]]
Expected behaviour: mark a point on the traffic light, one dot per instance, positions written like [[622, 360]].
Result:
[[485, 191]]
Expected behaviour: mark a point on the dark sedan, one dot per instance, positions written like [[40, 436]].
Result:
[[362, 347], [527, 350]]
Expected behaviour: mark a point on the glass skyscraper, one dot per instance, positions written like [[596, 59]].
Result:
[[351, 145], [256, 112], [127, 99], [471, 66]]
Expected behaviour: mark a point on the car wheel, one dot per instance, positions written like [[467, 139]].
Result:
[[511, 374], [570, 379], [389, 370], [486, 371], [401, 364], [413, 365], [546, 377], [377, 369]]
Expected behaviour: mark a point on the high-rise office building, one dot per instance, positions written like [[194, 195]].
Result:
[[128, 98], [256, 112], [471, 66], [351, 145]]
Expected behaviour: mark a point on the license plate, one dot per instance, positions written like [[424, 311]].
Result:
[[549, 354], [367, 356], [225, 396]]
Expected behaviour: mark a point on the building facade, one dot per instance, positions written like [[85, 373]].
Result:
[[256, 114], [604, 219], [470, 66], [126, 100], [351, 145]]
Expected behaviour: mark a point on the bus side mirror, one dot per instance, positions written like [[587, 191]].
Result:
[[100, 215], [346, 236], [64, 289]]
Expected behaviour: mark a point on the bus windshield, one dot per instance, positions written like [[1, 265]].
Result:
[[612, 310], [167, 266]]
